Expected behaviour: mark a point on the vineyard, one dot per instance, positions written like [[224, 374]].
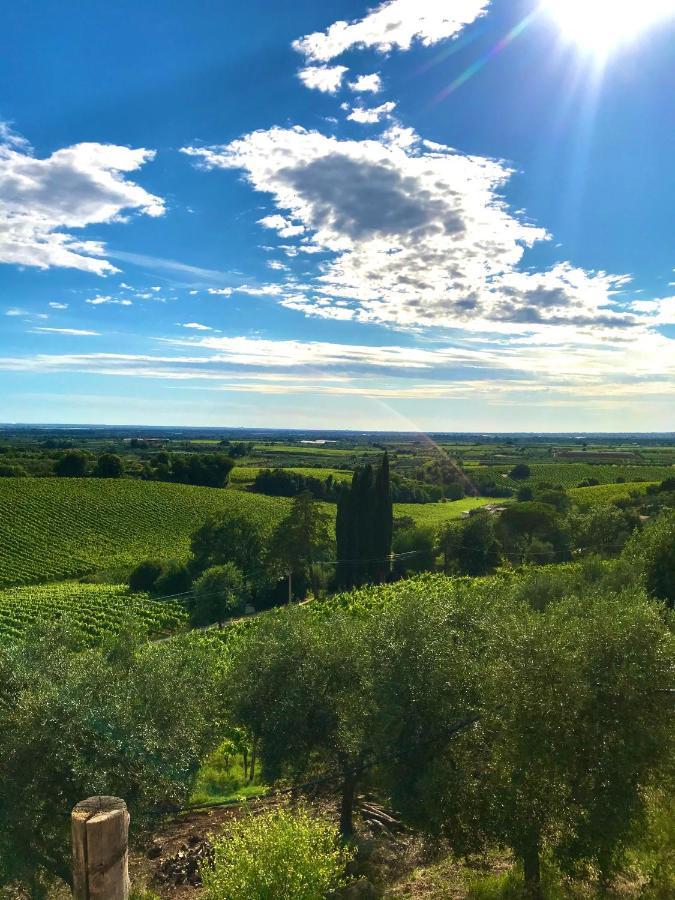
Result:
[[57, 528], [601, 494], [95, 610], [570, 475]]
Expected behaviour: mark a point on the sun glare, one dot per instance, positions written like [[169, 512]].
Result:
[[599, 26]]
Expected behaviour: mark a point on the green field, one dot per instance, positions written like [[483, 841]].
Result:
[[601, 494], [569, 475], [94, 609], [437, 514], [57, 528]]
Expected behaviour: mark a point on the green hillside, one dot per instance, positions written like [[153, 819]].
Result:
[[57, 528]]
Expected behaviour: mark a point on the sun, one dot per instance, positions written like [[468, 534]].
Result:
[[599, 26]]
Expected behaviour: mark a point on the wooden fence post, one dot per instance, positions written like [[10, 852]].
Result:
[[100, 828]]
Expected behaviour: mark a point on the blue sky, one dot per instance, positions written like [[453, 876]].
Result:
[[420, 215]]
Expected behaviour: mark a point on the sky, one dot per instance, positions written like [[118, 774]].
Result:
[[427, 215]]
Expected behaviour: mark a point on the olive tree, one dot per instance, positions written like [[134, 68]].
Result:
[[129, 719]]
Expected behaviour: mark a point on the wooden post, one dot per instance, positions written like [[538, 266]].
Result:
[[100, 828]]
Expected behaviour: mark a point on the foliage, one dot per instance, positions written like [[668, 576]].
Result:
[[93, 610], [236, 539], [281, 853], [471, 547], [301, 539], [131, 720], [203, 469], [522, 523], [291, 483], [570, 474], [219, 593], [145, 575], [52, 528], [109, 465], [364, 526], [520, 471], [653, 555], [301, 690], [417, 549], [174, 579], [602, 529], [72, 464]]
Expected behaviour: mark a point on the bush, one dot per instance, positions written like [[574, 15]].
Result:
[[72, 465], [144, 577], [12, 471], [109, 465], [219, 594], [174, 579], [277, 854], [520, 471]]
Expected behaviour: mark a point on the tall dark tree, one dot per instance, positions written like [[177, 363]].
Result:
[[364, 526]]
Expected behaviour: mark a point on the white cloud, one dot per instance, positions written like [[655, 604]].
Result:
[[327, 79], [371, 116], [55, 305], [393, 25], [264, 290], [108, 301], [16, 311], [282, 226], [658, 312], [367, 84], [43, 200], [76, 332], [196, 326], [417, 234], [277, 265]]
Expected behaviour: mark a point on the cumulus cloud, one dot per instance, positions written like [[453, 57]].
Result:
[[281, 225], [416, 233], [327, 79], [370, 116], [55, 305], [366, 84], [43, 200], [393, 25], [196, 326]]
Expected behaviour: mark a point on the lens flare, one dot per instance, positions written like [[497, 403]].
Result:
[[599, 26]]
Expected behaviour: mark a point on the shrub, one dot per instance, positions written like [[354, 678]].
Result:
[[72, 464], [277, 854], [219, 593], [520, 471], [174, 579], [144, 576], [109, 465]]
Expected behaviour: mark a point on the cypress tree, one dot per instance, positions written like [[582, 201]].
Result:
[[383, 520]]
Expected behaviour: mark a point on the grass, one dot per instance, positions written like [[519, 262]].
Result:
[[222, 779], [52, 529], [437, 514]]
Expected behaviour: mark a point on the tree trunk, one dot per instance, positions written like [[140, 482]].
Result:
[[253, 761], [532, 868], [347, 805], [244, 754]]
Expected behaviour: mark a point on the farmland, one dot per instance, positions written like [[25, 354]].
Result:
[[571, 474], [436, 514], [53, 529], [93, 609], [601, 494]]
